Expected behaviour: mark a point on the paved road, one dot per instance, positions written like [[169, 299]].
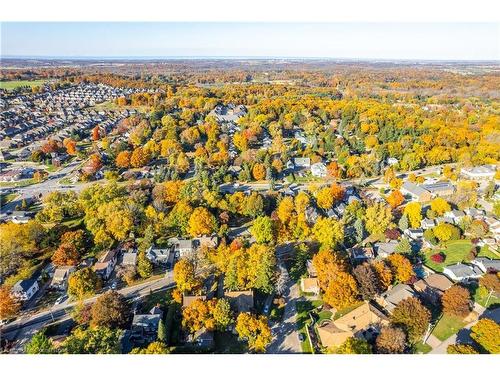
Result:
[[285, 333], [23, 328]]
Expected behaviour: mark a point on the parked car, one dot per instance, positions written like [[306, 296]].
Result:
[[61, 299]]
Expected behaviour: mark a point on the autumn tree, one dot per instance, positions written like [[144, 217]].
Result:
[[328, 232], [255, 330], [70, 146], [144, 266], [461, 349], [486, 333], [354, 346], [443, 231], [368, 281], [202, 222], [391, 340], [185, 275], [109, 310], [198, 315], [384, 274], [413, 211], [93, 340], [259, 171], [440, 206], [156, 347], [83, 283], [324, 198], [139, 158], [123, 159], [222, 314], [395, 199], [66, 255], [9, 305], [401, 267], [378, 218], [456, 301], [413, 317]]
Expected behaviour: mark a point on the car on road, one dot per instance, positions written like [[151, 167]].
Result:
[[266, 309], [113, 285], [61, 299]]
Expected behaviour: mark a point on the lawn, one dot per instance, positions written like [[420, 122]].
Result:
[[486, 252], [422, 348], [480, 295], [11, 85], [303, 308], [455, 252], [448, 325], [6, 198]]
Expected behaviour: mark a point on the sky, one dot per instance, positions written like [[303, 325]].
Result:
[[412, 41]]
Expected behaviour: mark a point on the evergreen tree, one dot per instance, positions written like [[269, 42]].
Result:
[[162, 331], [403, 223], [360, 229]]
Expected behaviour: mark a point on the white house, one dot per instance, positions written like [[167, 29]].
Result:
[[462, 272], [483, 172], [318, 170], [25, 289]]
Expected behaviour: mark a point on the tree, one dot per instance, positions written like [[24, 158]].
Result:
[[384, 274], [486, 333], [378, 218], [144, 266], [403, 246], [139, 158], [395, 199], [9, 305], [83, 283], [123, 159], [403, 223], [70, 146], [94, 340], [285, 210], [342, 291], [360, 229], [66, 255], [324, 198], [461, 349], [198, 315], [413, 211], [76, 238], [185, 276], [456, 301], [40, 344], [354, 346], [328, 232], [202, 222], [222, 314], [109, 310], [156, 347], [259, 171], [255, 330], [367, 280], [440, 206], [413, 317], [162, 331], [491, 282], [262, 229], [391, 340], [443, 231], [401, 267]]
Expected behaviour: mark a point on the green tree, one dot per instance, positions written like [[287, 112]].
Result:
[[40, 344], [94, 340], [222, 314], [162, 331], [144, 266], [354, 346], [262, 229]]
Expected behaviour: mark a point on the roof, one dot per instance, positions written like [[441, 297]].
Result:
[[362, 252], [61, 273], [108, 256], [461, 270], [129, 258], [434, 280], [188, 300], [309, 284], [396, 294], [414, 189], [386, 247], [439, 187], [146, 320], [242, 301], [23, 285], [488, 264]]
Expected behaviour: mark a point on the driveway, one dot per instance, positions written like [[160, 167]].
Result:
[[285, 333]]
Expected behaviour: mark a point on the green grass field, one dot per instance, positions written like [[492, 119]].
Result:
[[448, 325], [11, 85]]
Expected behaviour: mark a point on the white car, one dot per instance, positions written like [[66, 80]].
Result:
[[61, 299]]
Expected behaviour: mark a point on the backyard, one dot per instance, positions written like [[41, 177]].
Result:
[[303, 309], [455, 252]]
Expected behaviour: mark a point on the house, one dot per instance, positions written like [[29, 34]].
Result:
[[390, 299], [312, 214], [318, 170], [309, 285], [474, 213], [487, 265], [462, 272], [414, 234], [432, 287], [455, 215], [483, 172], [440, 189], [160, 256], [129, 259], [25, 289], [427, 223], [240, 301], [61, 276], [362, 253], [362, 322], [384, 249], [302, 163], [145, 326], [206, 241], [106, 264], [416, 192]]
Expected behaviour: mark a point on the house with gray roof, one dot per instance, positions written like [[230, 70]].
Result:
[[487, 264], [416, 192], [390, 299], [25, 289], [384, 249], [462, 272]]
